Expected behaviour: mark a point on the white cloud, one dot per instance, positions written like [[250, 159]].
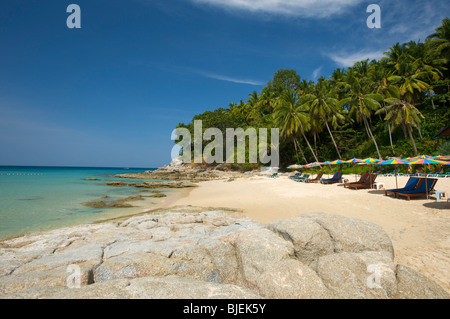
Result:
[[316, 73], [302, 8], [220, 77], [348, 59]]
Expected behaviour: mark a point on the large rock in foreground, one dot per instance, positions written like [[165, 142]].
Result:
[[210, 253]]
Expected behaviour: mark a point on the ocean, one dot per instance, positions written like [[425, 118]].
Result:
[[43, 198]]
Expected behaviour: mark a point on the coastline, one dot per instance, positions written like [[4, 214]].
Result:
[[411, 237]]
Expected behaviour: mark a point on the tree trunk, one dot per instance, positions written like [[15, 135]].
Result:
[[315, 143], [296, 151], [301, 151], [389, 130], [373, 138], [390, 138], [334, 142], [420, 132], [309, 145], [412, 140]]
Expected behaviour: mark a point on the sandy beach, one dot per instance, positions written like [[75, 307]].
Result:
[[419, 229]]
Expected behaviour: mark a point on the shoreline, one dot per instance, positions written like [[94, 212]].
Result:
[[141, 208], [418, 228]]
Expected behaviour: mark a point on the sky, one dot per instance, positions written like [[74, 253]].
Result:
[[110, 93]]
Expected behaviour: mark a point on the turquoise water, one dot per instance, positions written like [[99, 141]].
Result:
[[42, 198]]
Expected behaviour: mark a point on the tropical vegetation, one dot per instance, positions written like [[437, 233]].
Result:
[[391, 107]]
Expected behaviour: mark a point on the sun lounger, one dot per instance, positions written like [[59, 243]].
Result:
[[412, 184], [335, 179], [368, 183], [425, 187], [302, 179], [317, 179], [297, 175], [362, 179]]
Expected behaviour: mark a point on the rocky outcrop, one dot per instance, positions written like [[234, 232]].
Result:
[[152, 185], [210, 253], [177, 171], [123, 202]]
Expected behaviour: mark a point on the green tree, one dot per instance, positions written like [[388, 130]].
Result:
[[401, 112], [361, 103], [323, 107], [292, 118]]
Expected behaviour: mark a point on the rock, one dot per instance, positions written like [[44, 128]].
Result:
[[412, 285], [353, 235], [117, 203], [158, 195], [206, 252], [173, 184], [310, 239], [172, 287], [291, 279], [91, 179], [117, 184], [353, 275], [96, 204]]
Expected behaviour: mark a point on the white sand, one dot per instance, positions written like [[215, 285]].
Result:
[[419, 229]]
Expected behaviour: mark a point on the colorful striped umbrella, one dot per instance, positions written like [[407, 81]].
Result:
[[425, 161], [353, 161], [370, 160], [311, 165], [394, 162], [336, 162]]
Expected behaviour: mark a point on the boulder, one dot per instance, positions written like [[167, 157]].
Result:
[[413, 285], [205, 252]]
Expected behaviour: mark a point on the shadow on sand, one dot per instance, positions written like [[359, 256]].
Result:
[[377, 192], [443, 204]]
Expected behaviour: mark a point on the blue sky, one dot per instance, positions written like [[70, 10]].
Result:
[[110, 93]]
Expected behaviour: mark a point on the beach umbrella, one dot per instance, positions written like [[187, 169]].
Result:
[[336, 162], [369, 161], [353, 161], [426, 161], [394, 162]]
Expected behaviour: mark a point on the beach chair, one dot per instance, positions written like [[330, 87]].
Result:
[[412, 183], [367, 183], [303, 178], [297, 175], [424, 188], [317, 179], [362, 180], [335, 179], [274, 175]]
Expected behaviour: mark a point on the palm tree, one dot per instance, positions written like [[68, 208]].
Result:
[[291, 117], [379, 74], [323, 107], [401, 112], [361, 103], [440, 40]]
